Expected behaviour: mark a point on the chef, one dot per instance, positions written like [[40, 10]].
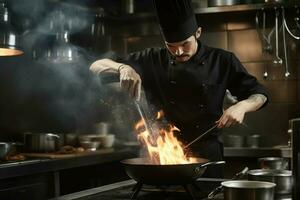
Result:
[[188, 80]]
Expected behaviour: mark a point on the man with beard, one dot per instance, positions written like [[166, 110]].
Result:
[[188, 80]]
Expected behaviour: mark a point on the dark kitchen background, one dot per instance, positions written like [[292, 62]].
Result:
[[40, 93], [40, 96]]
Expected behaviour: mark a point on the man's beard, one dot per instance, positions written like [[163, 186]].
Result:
[[183, 57]]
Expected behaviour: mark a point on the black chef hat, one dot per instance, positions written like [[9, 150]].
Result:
[[176, 18]]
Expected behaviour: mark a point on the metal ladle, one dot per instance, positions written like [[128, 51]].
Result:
[[287, 73], [268, 47], [262, 37], [277, 60]]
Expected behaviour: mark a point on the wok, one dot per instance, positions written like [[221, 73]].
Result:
[[141, 170]]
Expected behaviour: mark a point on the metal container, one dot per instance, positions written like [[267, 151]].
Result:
[[273, 163], [5, 149], [253, 141], [282, 178], [234, 140], [248, 190], [41, 142], [212, 3]]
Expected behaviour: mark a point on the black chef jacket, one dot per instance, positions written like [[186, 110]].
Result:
[[191, 93]]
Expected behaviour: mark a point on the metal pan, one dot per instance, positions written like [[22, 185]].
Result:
[[144, 172]]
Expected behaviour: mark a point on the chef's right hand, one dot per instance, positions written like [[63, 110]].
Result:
[[130, 81]]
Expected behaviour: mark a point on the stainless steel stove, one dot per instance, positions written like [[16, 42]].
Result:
[[124, 190]]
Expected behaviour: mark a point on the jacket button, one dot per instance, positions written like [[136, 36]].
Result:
[[197, 126], [200, 106], [173, 62], [202, 63]]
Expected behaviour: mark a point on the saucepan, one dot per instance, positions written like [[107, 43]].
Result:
[[248, 190], [9, 148], [41, 142], [141, 170], [273, 163], [282, 178]]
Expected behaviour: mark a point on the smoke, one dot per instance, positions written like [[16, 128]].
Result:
[[52, 88]]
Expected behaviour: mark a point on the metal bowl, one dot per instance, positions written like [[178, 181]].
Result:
[[90, 145]]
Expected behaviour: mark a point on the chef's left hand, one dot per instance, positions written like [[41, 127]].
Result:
[[231, 116]]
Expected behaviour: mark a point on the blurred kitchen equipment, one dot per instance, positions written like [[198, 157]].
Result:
[[295, 133], [248, 190], [128, 6], [273, 163], [296, 19], [16, 147], [102, 128], [212, 3], [9, 39], [62, 51], [89, 137], [272, 1], [287, 73], [282, 178], [71, 139], [277, 60], [253, 141], [233, 140], [41, 142], [201, 136], [5, 149], [108, 140], [265, 39], [90, 145], [219, 189]]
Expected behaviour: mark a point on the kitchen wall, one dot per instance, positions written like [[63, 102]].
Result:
[[38, 97], [236, 32]]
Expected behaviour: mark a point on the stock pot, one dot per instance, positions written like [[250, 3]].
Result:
[[282, 178], [41, 142]]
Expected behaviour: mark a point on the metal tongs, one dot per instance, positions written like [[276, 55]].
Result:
[[201, 136]]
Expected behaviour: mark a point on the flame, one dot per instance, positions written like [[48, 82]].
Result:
[[162, 146]]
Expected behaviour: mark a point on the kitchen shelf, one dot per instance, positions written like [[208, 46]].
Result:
[[208, 10], [242, 7]]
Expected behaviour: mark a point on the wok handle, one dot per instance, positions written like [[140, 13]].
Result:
[[213, 163], [219, 189]]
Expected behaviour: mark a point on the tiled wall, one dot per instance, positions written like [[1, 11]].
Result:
[[236, 32]]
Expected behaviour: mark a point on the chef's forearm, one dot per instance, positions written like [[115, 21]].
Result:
[[105, 65], [253, 103]]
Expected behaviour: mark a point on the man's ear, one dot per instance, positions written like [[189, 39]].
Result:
[[198, 33]]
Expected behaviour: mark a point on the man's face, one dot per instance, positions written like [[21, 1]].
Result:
[[183, 50]]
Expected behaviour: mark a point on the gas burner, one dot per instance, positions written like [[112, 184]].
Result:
[[191, 190]]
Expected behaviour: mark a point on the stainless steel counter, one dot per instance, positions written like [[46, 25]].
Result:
[[257, 152]]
